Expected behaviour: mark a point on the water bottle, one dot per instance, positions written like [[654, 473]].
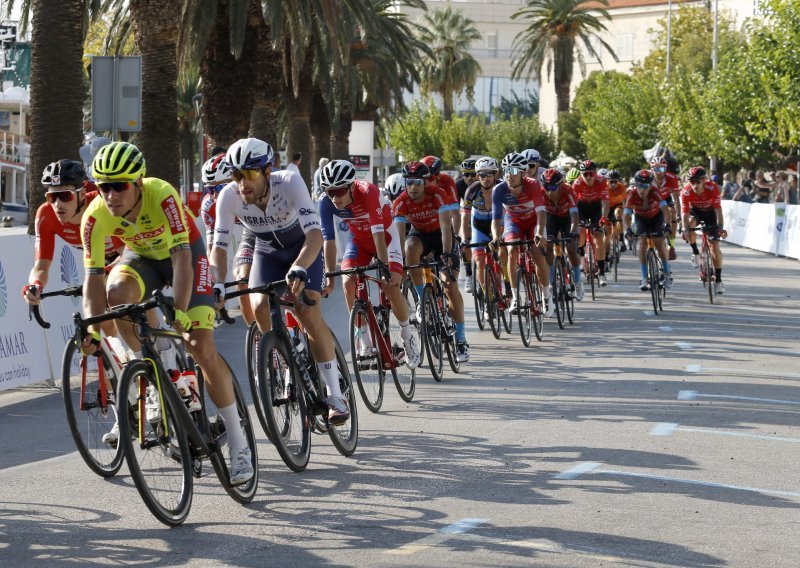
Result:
[[193, 397]]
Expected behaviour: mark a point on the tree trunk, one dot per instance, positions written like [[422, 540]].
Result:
[[155, 27], [267, 96], [56, 118], [340, 136], [298, 109], [228, 89], [320, 123]]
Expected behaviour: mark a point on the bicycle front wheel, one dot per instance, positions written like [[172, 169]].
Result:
[[591, 264], [559, 292], [710, 279], [478, 298], [367, 360], [155, 443], [345, 436], [405, 378], [615, 258], [284, 402], [525, 306], [492, 298], [537, 305], [652, 277], [431, 332], [88, 416], [251, 355]]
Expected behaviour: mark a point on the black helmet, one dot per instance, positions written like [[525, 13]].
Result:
[[64, 172], [643, 177], [416, 170], [587, 166], [434, 164], [615, 175], [468, 166], [552, 178], [697, 173]]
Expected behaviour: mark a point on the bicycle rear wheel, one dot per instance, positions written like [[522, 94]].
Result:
[[709, 269], [367, 360], [652, 277], [345, 436], [412, 298], [537, 305], [492, 298], [157, 451], [88, 418], [559, 292], [478, 298], [251, 355], [405, 378], [284, 402], [615, 255], [591, 264], [431, 331], [569, 291], [525, 306]]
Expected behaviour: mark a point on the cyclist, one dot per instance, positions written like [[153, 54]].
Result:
[[533, 158], [476, 212], [161, 246], [216, 174], [468, 177], [617, 192], [592, 194], [669, 189], [428, 209], [372, 235], [701, 203], [518, 206], [69, 193], [393, 186], [562, 221], [278, 210], [572, 175], [651, 212], [446, 184]]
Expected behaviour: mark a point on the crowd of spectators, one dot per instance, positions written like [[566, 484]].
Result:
[[759, 187]]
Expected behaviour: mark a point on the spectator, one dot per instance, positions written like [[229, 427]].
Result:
[[786, 188], [294, 165], [729, 187], [276, 161], [763, 187], [793, 196], [315, 186]]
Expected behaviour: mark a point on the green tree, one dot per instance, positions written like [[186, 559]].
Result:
[[518, 133], [417, 132], [554, 27], [450, 69]]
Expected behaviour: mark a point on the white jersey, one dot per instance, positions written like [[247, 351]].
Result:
[[289, 214]]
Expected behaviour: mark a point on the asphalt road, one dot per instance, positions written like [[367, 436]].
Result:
[[627, 439]]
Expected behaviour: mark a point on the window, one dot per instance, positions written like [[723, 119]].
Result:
[[491, 44], [624, 47]]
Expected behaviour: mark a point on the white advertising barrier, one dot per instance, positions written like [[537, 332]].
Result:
[[771, 228]]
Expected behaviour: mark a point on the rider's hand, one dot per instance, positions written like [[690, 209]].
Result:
[[31, 292], [330, 283], [629, 233], [219, 295], [296, 278], [395, 278], [667, 228], [182, 322], [90, 342], [723, 234], [604, 221]]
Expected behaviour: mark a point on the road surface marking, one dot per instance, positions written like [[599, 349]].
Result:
[[648, 313], [743, 372], [443, 534], [663, 429], [684, 345], [692, 395], [577, 471], [665, 328], [668, 428], [36, 463]]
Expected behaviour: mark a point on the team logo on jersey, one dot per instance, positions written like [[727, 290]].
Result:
[[87, 237], [173, 213]]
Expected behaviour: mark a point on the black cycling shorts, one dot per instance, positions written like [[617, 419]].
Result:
[[432, 243], [557, 227], [590, 211], [643, 225]]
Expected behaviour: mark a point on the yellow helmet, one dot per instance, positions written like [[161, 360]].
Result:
[[118, 161]]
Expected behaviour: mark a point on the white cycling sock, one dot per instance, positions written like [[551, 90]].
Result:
[[547, 292], [230, 416], [330, 374], [405, 330], [364, 336], [514, 293]]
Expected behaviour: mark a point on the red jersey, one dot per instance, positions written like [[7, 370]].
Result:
[[648, 207], [423, 216], [48, 226], [520, 209], [667, 185], [447, 185], [566, 202], [597, 191], [708, 199], [369, 213], [208, 212]]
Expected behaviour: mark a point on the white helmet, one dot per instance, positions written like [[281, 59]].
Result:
[[337, 173], [532, 156], [216, 170], [486, 164], [249, 154], [515, 160], [394, 185]]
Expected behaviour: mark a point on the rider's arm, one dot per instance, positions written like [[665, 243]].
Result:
[[627, 215], [94, 296], [182, 276], [497, 211], [604, 205], [720, 219], [447, 230], [466, 225], [574, 220], [40, 271], [541, 222], [224, 220], [300, 200]]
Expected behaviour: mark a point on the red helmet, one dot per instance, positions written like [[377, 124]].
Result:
[[658, 162], [416, 170], [697, 173], [643, 178], [552, 178], [587, 166], [434, 164]]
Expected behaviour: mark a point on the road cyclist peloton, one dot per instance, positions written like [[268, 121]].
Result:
[[468, 177], [428, 209], [669, 188], [561, 222], [701, 203], [651, 216], [591, 192], [518, 207], [216, 174], [277, 208], [371, 234], [162, 246]]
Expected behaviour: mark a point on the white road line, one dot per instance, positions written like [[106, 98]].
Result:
[[684, 345], [692, 395], [665, 328], [721, 331], [577, 471], [438, 537], [668, 428], [663, 429], [648, 313], [742, 372]]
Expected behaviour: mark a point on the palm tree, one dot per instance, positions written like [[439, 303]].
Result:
[[56, 88], [451, 69], [188, 121], [554, 26]]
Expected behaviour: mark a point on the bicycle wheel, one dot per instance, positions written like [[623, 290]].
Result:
[[662, 284], [367, 360], [615, 258], [652, 277], [412, 298], [492, 298], [405, 378], [569, 291], [449, 339], [88, 419], [284, 402], [431, 332], [709, 268], [559, 292], [507, 319], [479, 299], [157, 451], [345, 436], [537, 305], [251, 356], [241, 493], [525, 306], [591, 263]]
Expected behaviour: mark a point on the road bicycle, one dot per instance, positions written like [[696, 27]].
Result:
[[656, 279], [614, 257], [563, 284], [707, 272], [290, 390], [493, 295], [590, 266], [165, 443], [478, 297], [376, 343], [530, 302]]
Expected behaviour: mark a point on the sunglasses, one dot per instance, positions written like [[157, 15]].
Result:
[[551, 187], [613, 182], [337, 191], [249, 175], [533, 166], [642, 185], [65, 195], [512, 170], [414, 181], [589, 174], [660, 169], [486, 175], [212, 189], [469, 174], [116, 186]]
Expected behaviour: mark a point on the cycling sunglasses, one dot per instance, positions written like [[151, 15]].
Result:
[[483, 175], [65, 195], [642, 185], [414, 181], [337, 191], [212, 189], [552, 187], [513, 170], [249, 175], [469, 174], [660, 169], [115, 186], [590, 173]]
